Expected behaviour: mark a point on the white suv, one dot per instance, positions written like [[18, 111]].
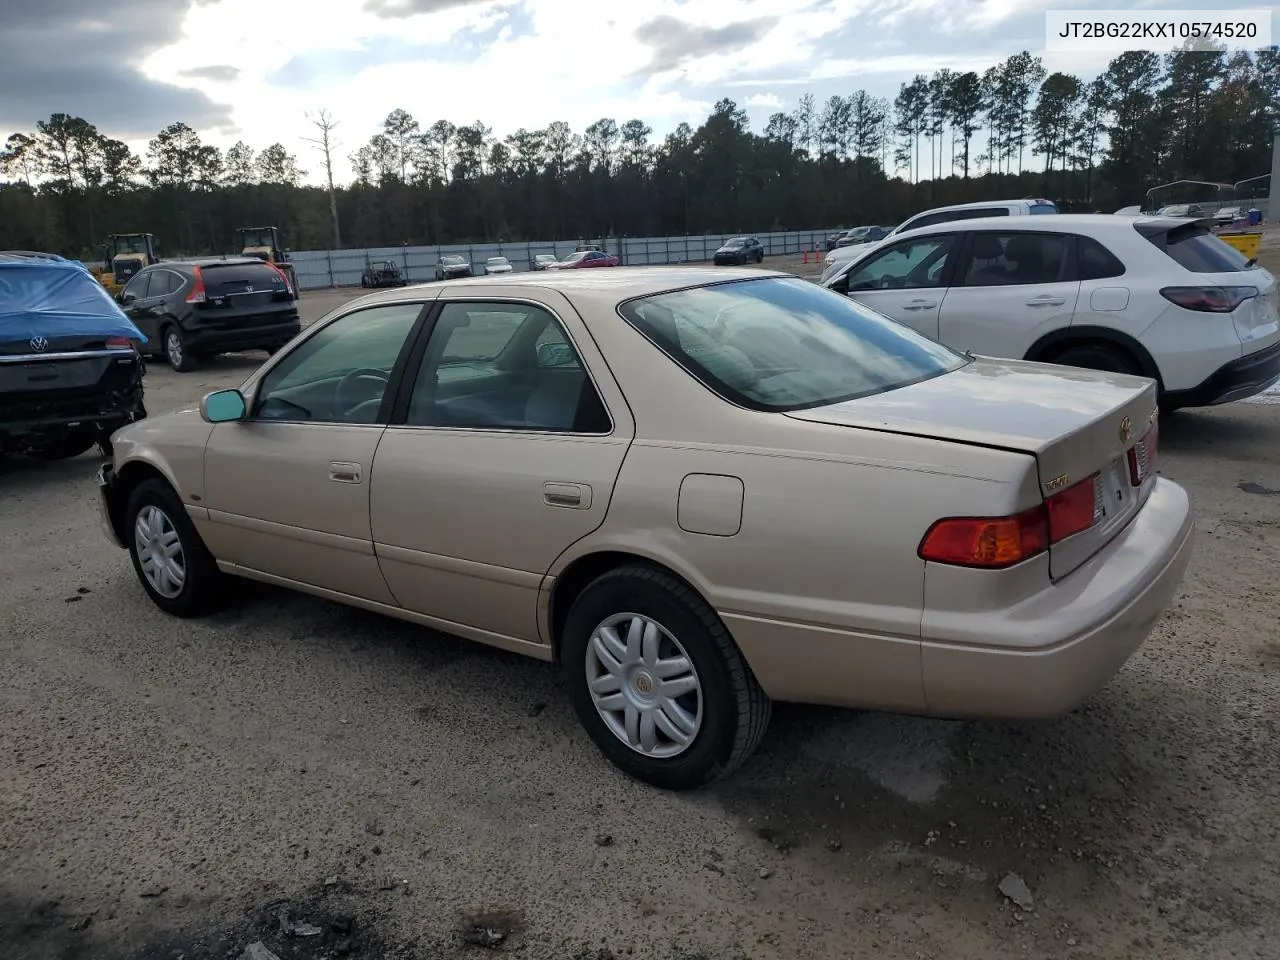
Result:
[[1155, 296], [959, 211]]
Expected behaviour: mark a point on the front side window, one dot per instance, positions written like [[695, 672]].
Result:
[[778, 344], [341, 373], [1002, 259], [504, 366], [907, 265]]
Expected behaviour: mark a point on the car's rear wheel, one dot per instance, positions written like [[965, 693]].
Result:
[[1097, 356], [657, 681], [176, 351], [172, 562]]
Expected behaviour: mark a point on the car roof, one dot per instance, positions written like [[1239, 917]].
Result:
[[204, 262], [606, 288], [1061, 223]]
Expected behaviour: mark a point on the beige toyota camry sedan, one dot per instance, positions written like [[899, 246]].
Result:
[[697, 491]]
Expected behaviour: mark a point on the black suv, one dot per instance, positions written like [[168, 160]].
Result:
[[60, 392], [196, 308]]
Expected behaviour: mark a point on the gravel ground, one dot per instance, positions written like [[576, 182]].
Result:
[[170, 788]]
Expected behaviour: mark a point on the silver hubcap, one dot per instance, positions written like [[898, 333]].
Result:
[[173, 344], [644, 685], [159, 552]]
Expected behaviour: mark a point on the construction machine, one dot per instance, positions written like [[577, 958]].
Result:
[[123, 255], [264, 243]]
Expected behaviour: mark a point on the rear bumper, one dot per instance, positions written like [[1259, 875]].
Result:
[[1058, 648], [28, 422], [211, 340], [1245, 377], [1102, 612]]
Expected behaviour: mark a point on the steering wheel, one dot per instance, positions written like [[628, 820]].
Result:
[[360, 387]]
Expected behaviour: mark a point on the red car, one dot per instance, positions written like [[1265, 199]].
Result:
[[585, 258]]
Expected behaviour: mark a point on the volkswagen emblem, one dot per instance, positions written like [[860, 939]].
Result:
[[248, 288], [39, 344], [1126, 430]]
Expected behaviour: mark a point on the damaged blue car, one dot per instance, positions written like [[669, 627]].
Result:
[[70, 369]]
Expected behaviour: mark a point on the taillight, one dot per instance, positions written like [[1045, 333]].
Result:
[[117, 342], [1209, 299], [197, 289], [990, 542], [1142, 456], [996, 542], [1075, 509]]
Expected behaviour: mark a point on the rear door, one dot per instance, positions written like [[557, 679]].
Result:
[[148, 311], [906, 280], [1011, 287]]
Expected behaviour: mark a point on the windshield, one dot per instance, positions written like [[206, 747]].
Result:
[[782, 343], [1043, 208], [257, 238], [735, 243], [451, 261], [1199, 251], [575, 257], [496, 261], [131, 244]]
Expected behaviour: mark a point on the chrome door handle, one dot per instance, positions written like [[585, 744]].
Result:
[[342, 471], [920, 305], [1046, 302], [576, 496]]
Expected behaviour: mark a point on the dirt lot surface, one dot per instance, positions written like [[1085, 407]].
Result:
[[173, 789]]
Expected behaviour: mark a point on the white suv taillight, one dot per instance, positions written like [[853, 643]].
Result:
[[1142, 456], [1209, 299]]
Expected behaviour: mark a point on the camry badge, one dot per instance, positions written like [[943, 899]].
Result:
[[1126, 430], [39, 344]]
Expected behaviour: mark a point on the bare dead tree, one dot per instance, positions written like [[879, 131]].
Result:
[[326, 144]]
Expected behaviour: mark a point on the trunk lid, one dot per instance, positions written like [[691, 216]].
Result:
[[65, 366], [245, 295], [1075, 423]]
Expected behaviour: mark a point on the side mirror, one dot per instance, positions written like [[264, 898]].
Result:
[[223, 406], [554, 354], [125, 298]]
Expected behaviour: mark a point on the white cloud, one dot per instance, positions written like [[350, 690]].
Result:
[[525, 63]]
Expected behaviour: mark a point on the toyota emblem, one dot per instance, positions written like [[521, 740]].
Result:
[[39, 344]]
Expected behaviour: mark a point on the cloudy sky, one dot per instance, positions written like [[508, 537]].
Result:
[[252, 69]]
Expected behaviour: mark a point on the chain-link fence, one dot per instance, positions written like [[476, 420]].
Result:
[[316, 269]]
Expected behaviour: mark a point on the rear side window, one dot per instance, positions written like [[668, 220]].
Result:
[[1003, 259], [163, 282], [1096, 262], [781, 344], [222, 280], [1043, 208], [1199, 251]]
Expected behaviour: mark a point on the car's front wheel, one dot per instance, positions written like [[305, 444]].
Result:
[[172, 562], [658, 682]]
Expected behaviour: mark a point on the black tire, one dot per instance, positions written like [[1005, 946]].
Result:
[[202, 581], [176, 353], [70, 444], [1097, 356], [735, 711], [759, 256]]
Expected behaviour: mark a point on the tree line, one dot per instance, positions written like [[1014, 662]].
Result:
[[948, 137]]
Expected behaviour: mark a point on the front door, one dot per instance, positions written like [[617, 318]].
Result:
[[906, 280], [288, 489], [505, 455], [1010, 289]]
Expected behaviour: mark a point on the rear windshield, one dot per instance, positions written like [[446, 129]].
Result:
[[225, 279], [1199, 251], [1043, 208], [781, 344]]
